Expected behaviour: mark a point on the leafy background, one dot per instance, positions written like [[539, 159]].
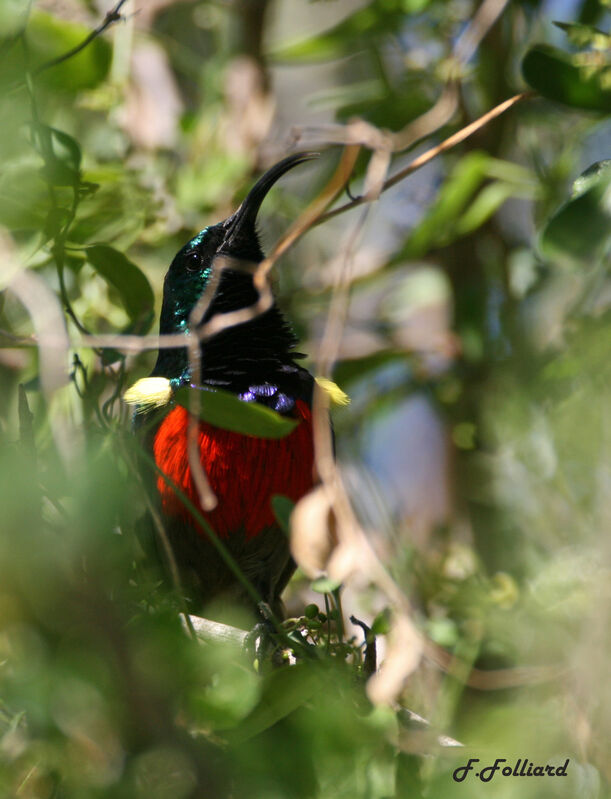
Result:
[[476, 446]]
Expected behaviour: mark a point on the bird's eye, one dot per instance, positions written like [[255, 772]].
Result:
[[193, 261]]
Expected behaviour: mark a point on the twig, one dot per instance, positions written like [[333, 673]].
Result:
[[495, 679], [207, 497], [41, 133], [215, 632], [199, 518], [111, 17], [429, 122], [353, 550], [370, 660], [314, 212], [26, 422], [433, 152], [165, 542], [11, 340], [483, 19], [132, 343], [361, 132], [219, 322], [417, 736], [46, 315]]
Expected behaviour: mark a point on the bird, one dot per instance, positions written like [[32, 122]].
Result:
[[257, 362]]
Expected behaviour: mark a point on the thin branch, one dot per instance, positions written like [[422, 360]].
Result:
[[45, 312], [214, 632], [315, 211], [264, 301], [211, 534], [362, 132], [111, 17], [494, 679], [8, 339], [165, 541], [406, 644], [45, 146], [310, 218], [429, 122], [433, 152], [483, 19]]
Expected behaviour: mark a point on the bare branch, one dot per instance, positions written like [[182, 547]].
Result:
[[163, 538], [312, 217], [8, 339], [46, 314], [352, 549], [314, 212], [433, 152], [215, 632], [483, 19], [201, 332], [112, 16], [360, 132]]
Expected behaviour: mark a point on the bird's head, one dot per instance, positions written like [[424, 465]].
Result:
[[193, 267]]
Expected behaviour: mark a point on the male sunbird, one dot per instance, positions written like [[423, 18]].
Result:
[[256, 361]]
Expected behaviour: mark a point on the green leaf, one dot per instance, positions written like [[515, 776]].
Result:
[[349, 371], [116, 212], [129, 280], [585, 35], [580, 80], [461, 207], [24, 196], [13, 17], [580, 232], [50, 37], [223, 409], [69, 149], [381, 623], [325, 585], [282, 507], [60, 153], [375, 18], [284, 690], [437, 226], [487, 202], [591, 176]]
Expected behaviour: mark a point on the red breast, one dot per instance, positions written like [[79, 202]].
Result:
[[244, 471]]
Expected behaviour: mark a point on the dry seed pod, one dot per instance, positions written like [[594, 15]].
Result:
[[313, 537]]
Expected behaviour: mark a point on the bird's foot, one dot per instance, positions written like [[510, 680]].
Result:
[[263, 642]]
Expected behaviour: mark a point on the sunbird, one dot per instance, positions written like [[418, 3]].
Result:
[[256, 361]]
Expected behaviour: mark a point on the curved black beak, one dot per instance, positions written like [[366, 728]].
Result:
[[241, 224]]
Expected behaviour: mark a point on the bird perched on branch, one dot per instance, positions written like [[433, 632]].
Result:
[[255, 361]]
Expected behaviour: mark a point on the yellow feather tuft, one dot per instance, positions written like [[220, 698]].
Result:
[[333, 391], [148, 393]]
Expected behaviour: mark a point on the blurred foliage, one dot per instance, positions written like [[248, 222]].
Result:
[[477, 442]]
